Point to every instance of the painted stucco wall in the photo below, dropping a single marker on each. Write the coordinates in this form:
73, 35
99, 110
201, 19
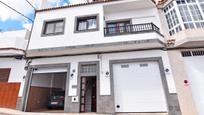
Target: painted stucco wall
69, 38
194, 68
138, 16
14, 39
104, 66
185, 97
17, 70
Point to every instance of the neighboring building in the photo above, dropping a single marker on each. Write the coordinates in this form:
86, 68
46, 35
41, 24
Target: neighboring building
184, 23
12, 63
108, 57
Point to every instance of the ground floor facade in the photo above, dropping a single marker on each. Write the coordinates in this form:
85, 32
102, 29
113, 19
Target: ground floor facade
123, 82
12, 76
138, 82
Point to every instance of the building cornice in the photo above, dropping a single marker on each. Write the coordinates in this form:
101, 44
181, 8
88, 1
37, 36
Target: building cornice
10, 48
76, 5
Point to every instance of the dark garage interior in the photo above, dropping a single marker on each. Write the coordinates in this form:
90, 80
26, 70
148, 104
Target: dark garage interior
47, 92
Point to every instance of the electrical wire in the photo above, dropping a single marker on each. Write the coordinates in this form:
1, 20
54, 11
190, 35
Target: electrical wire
31, 5
16, 11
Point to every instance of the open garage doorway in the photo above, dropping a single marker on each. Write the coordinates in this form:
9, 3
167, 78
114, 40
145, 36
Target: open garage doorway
47, 92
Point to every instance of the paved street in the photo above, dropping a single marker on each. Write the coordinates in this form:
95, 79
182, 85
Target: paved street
5, 111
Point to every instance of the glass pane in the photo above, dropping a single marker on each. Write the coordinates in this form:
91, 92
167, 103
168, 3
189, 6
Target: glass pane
82, 93
82, 25
92, 24
83, 86
59, 27
185, 14
201, 0
82, 100
195, 12
189, 25
111, 28
82, 108
202, 6
180, 1
49, 29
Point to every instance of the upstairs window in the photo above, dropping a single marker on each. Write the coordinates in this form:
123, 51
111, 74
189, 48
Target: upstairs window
184, 14
4, 74
118, 27
54, 27
87, 23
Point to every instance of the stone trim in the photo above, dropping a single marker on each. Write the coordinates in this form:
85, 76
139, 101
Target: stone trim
28, 81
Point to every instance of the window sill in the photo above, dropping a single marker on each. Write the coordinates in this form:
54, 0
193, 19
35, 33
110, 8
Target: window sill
82, 31
54, 34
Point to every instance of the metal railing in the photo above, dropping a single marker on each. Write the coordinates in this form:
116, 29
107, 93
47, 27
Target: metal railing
128, 29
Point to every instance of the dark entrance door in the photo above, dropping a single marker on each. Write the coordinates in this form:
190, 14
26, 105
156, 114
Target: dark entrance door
88, 94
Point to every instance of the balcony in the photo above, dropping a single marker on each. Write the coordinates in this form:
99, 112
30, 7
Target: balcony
131, 29
149, 38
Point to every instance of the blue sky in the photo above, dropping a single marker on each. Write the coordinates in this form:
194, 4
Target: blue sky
10, 20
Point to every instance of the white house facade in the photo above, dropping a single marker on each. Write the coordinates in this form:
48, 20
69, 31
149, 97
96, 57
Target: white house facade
107, 56
12, 61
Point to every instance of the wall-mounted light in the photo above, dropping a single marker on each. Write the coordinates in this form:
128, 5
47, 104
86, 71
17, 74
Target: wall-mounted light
167, 70
71, 75
186, 82
107, 73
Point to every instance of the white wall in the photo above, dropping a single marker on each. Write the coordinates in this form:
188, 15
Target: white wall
17, 70
138, 16
69, 38
104, 66
14, 39
194, 68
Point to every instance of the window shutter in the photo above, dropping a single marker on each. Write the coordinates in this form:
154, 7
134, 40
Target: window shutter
4, 74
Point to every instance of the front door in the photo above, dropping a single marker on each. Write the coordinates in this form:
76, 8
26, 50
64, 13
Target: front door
88, 94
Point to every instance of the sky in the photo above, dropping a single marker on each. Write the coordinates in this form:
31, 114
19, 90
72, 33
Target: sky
10, 20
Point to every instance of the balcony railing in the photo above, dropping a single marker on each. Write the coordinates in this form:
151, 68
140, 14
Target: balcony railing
129, 29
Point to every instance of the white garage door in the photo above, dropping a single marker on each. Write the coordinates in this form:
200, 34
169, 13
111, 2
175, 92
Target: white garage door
138, 88
195, 70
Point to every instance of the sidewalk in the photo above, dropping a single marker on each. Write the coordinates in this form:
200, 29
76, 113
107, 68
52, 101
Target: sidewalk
6, 111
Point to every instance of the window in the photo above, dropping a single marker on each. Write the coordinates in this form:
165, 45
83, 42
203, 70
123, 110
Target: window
54, 27
191, 14
172, 19
4, 74
118, 27
87, 23
202, 6
184, 14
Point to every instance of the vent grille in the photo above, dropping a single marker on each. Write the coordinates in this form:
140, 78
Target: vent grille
143, 65
192, 53
125, 66
198, 53
186, 53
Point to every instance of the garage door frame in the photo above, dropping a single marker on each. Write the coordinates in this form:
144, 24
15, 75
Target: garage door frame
172, 99
28, 81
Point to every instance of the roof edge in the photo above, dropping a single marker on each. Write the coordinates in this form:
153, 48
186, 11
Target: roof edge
76, 5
